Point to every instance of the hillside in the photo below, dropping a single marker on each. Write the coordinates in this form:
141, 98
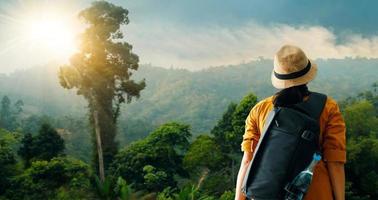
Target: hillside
198, 98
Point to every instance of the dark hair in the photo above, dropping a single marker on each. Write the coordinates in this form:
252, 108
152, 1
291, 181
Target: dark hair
290, 96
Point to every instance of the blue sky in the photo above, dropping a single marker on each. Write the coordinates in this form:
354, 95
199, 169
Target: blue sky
195, 34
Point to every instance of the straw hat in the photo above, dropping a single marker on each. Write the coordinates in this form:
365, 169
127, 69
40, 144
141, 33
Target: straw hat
292, 68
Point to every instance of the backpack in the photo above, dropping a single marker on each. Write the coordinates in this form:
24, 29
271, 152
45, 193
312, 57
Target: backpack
285, 148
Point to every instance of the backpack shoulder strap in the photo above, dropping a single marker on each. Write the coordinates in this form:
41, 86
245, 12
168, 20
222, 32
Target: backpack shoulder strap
268, 121
314, 105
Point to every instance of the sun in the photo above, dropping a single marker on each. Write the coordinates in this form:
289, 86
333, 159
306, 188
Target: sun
34, 32
52, 34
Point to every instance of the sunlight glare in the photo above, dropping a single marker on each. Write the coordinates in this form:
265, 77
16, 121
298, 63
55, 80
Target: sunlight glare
54, 34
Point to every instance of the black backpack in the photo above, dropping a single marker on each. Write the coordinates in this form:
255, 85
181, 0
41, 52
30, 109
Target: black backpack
286, 146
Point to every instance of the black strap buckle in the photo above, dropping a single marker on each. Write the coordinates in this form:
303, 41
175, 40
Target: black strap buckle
308, 135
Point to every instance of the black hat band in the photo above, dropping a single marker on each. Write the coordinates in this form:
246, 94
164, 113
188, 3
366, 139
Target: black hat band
294, 74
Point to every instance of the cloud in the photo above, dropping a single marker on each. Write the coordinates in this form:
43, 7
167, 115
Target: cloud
194, 48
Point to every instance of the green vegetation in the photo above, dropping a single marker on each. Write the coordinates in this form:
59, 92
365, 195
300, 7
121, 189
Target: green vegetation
196, 98
45, 146
169, 164
101, 73
180, 141
361, 117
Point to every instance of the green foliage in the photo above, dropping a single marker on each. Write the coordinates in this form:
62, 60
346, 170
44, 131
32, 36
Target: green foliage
44, 146
166, 194
204, 152
228, 135
124, 190
161, 152
218, 181
9, 114
362, 146
77, 137
154, 179
362, 119
112, 188
240, 114
47, 144
26, 150
44, 179
197, 98
223, 130
104, 188
230, 128
362, 166
7, 163
101, 71
190, 192
5, 113
227, 195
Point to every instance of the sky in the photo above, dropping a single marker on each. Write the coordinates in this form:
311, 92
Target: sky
195, 34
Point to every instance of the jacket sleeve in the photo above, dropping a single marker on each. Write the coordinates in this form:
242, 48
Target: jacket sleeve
334, 141
251, 132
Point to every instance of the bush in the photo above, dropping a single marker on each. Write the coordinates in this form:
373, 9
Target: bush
228, 195
48, 179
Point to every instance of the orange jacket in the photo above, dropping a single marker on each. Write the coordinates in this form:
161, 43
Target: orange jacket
332, 141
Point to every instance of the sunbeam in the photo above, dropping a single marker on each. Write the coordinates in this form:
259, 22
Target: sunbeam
48, 28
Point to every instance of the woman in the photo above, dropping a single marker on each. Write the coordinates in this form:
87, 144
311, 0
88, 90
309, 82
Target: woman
292, 71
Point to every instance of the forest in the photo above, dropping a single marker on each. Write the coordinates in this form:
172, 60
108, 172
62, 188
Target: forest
105, 127
169, 163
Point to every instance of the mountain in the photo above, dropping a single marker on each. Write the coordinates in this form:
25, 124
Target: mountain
195, 97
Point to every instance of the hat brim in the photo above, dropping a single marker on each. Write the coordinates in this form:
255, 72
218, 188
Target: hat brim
309, 76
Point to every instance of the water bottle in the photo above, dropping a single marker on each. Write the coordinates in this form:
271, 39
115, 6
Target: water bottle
296, 189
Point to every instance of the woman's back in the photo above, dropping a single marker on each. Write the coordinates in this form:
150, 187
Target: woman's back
331, 140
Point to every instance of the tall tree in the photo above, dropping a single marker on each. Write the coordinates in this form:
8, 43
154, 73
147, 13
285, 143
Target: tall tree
101, 72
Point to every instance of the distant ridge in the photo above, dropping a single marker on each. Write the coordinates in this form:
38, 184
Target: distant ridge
198, 98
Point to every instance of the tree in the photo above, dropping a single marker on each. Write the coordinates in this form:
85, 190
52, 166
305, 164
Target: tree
9, 113
47, 144
44, 146
18, 106
101, 73
204, 160
162, 150
362, 167
223, 129
48, 179
204, 154
6, 113
229, 130
239, 116
362, 119
26, 150
7, 162
154, 180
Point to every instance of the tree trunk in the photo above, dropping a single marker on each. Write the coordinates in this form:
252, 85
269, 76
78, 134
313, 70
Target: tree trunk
101, 169
203, 176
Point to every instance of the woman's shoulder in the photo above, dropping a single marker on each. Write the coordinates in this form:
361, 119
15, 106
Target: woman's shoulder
331, 109
264, 104
331, 104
